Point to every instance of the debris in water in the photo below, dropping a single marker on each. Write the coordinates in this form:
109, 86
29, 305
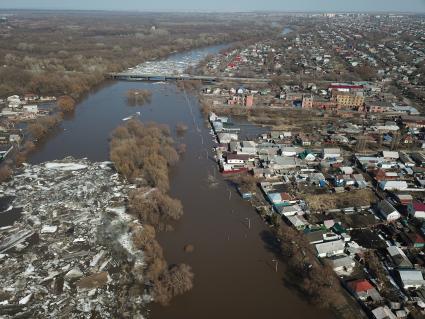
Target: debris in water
70, 255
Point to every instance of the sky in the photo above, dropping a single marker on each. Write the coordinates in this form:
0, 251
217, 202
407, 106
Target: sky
221, 5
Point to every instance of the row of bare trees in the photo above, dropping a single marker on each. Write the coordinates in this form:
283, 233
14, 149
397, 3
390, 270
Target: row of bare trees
316, 280
143, 154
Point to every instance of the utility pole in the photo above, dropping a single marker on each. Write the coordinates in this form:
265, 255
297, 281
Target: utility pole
276, 263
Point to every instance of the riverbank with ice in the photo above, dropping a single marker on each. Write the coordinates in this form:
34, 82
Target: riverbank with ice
70, 255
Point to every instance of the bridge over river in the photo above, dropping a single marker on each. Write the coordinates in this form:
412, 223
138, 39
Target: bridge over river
182, 77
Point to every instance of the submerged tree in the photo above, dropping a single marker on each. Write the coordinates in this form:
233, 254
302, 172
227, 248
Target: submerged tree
43, 125
181, 129
155, 208
143, 152
138, 97
176, 280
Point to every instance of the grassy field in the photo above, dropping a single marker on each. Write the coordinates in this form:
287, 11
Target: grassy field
348, 199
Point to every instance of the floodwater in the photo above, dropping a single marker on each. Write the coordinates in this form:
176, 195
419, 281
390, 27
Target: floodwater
235, 271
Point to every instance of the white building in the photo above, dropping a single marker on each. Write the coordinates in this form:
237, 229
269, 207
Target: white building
393, 185
411, 279
330, 248
291, 210
331, 153
289, 151
390, 155
31, 108
388, 212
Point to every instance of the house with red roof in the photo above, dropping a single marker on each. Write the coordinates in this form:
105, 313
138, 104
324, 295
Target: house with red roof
417, 210
363, 290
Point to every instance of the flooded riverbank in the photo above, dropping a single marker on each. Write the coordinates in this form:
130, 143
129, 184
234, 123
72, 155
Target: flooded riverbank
234, 265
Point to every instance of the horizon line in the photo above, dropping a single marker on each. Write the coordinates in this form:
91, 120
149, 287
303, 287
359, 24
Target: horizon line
217, 11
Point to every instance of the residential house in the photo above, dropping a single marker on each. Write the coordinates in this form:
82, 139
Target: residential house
227, 137
346, 170
30, 97
289, 151
290, 210
238, 158
317, 179
404, 199
30, 109
362, 289
330, 248
399, 258
331, 153
283, 162
360, 181
299, 222
315, 237
411, 279
417, 210
387, 211
390, 155
419, 158
393, 185
406, 159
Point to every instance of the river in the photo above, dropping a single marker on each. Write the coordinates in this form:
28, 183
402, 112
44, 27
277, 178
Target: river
234, 270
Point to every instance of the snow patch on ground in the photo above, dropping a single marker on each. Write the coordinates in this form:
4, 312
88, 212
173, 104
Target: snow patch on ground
65, 166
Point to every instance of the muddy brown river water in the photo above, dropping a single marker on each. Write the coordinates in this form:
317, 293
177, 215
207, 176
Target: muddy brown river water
234, 265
